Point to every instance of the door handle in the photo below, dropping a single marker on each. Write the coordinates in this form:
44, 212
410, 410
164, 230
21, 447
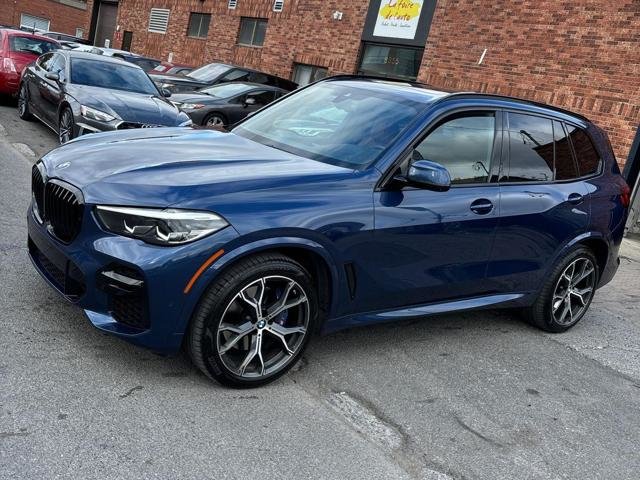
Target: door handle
575, 199
482, 206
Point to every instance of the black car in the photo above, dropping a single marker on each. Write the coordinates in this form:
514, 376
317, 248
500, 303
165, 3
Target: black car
145, 63
227, 103
76, 93
215, 73
65, 38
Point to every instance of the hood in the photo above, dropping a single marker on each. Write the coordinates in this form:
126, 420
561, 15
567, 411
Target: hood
160, 78
169, 166
129, 106
195, 97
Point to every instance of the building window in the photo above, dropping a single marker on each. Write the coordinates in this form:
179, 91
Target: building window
252, 31
199, 25
158, 20
305, 74
79, 32
32, 22
390, 61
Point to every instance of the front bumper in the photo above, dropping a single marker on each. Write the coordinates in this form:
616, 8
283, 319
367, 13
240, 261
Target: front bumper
126, 287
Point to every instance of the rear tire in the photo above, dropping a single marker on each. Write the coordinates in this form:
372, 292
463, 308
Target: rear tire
241, 334
23, 103
567, 293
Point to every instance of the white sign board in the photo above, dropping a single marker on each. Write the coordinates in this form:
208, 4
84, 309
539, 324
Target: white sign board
398, 18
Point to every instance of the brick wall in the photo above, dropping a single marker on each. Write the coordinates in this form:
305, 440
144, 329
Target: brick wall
65, 15
304, 32
577, 54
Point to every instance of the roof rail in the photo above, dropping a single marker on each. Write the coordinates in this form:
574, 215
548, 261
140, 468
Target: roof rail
519, 100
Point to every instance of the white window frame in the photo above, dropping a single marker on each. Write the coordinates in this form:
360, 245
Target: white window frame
156, 17
24, 19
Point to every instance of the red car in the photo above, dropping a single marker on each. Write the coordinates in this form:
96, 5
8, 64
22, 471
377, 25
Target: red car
17, 50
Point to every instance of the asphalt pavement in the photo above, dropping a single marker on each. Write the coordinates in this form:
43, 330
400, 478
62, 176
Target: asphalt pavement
464, 396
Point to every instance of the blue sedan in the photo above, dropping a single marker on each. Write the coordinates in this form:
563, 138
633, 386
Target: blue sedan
352, 201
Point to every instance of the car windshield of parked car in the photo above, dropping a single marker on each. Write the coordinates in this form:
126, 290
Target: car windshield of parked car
95, 73
208, 72
341, 124
226, 90
36, 46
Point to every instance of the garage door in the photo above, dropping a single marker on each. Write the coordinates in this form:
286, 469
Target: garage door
33, 22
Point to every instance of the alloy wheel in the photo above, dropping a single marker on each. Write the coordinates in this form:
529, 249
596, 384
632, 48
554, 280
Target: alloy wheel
215, 121
573, 291
66, 127
263, 327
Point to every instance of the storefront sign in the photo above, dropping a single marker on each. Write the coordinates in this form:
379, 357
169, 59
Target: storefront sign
398, 19
399, 22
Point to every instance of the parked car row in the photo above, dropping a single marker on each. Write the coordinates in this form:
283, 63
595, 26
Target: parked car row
77, 89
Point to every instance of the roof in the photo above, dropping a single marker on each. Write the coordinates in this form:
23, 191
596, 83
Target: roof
437, 95
96, 57
23, 33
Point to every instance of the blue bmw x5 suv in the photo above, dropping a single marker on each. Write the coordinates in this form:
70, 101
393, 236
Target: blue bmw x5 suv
349, 202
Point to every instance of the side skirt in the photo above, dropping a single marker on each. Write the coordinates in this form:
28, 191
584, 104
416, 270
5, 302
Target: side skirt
489, 301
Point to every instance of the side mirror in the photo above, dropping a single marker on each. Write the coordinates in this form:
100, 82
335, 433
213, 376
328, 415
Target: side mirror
52, 76
166, 93
429, 175
249, 101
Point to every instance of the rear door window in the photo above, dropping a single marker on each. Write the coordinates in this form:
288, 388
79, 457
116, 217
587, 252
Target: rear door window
531, 148
565, 166
586, 154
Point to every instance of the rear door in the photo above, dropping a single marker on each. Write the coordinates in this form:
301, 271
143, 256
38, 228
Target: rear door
431, 246
34, 78
544, 204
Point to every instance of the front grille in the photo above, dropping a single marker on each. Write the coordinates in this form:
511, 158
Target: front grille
63, 209
37, 187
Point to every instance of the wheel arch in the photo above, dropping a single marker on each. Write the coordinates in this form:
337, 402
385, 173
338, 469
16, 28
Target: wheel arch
594, 241
314, 257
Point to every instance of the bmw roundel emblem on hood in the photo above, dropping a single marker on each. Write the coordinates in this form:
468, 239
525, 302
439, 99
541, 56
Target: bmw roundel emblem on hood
62, 165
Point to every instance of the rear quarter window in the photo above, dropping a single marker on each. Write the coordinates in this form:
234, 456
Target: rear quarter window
586, 154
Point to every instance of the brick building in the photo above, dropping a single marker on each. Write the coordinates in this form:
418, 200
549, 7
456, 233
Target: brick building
65, 16
577, 54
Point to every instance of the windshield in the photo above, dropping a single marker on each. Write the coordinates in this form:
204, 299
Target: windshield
226, 90
209, 72
31, 45
95, 73
338, 123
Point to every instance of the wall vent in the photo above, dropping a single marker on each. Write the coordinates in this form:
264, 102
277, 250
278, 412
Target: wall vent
158, 20
232, 4
278, 5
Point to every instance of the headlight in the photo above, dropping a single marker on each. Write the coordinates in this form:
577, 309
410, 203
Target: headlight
94, 114
191, 106
186, 123
160, 227
168, 86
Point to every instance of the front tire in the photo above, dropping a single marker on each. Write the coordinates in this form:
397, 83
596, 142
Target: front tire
66, 126
253, 324
23, 103
215, 120
567, 294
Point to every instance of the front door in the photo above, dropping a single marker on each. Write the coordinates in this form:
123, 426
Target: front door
432, 246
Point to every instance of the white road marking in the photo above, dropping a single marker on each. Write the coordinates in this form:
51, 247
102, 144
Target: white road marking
24, 149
